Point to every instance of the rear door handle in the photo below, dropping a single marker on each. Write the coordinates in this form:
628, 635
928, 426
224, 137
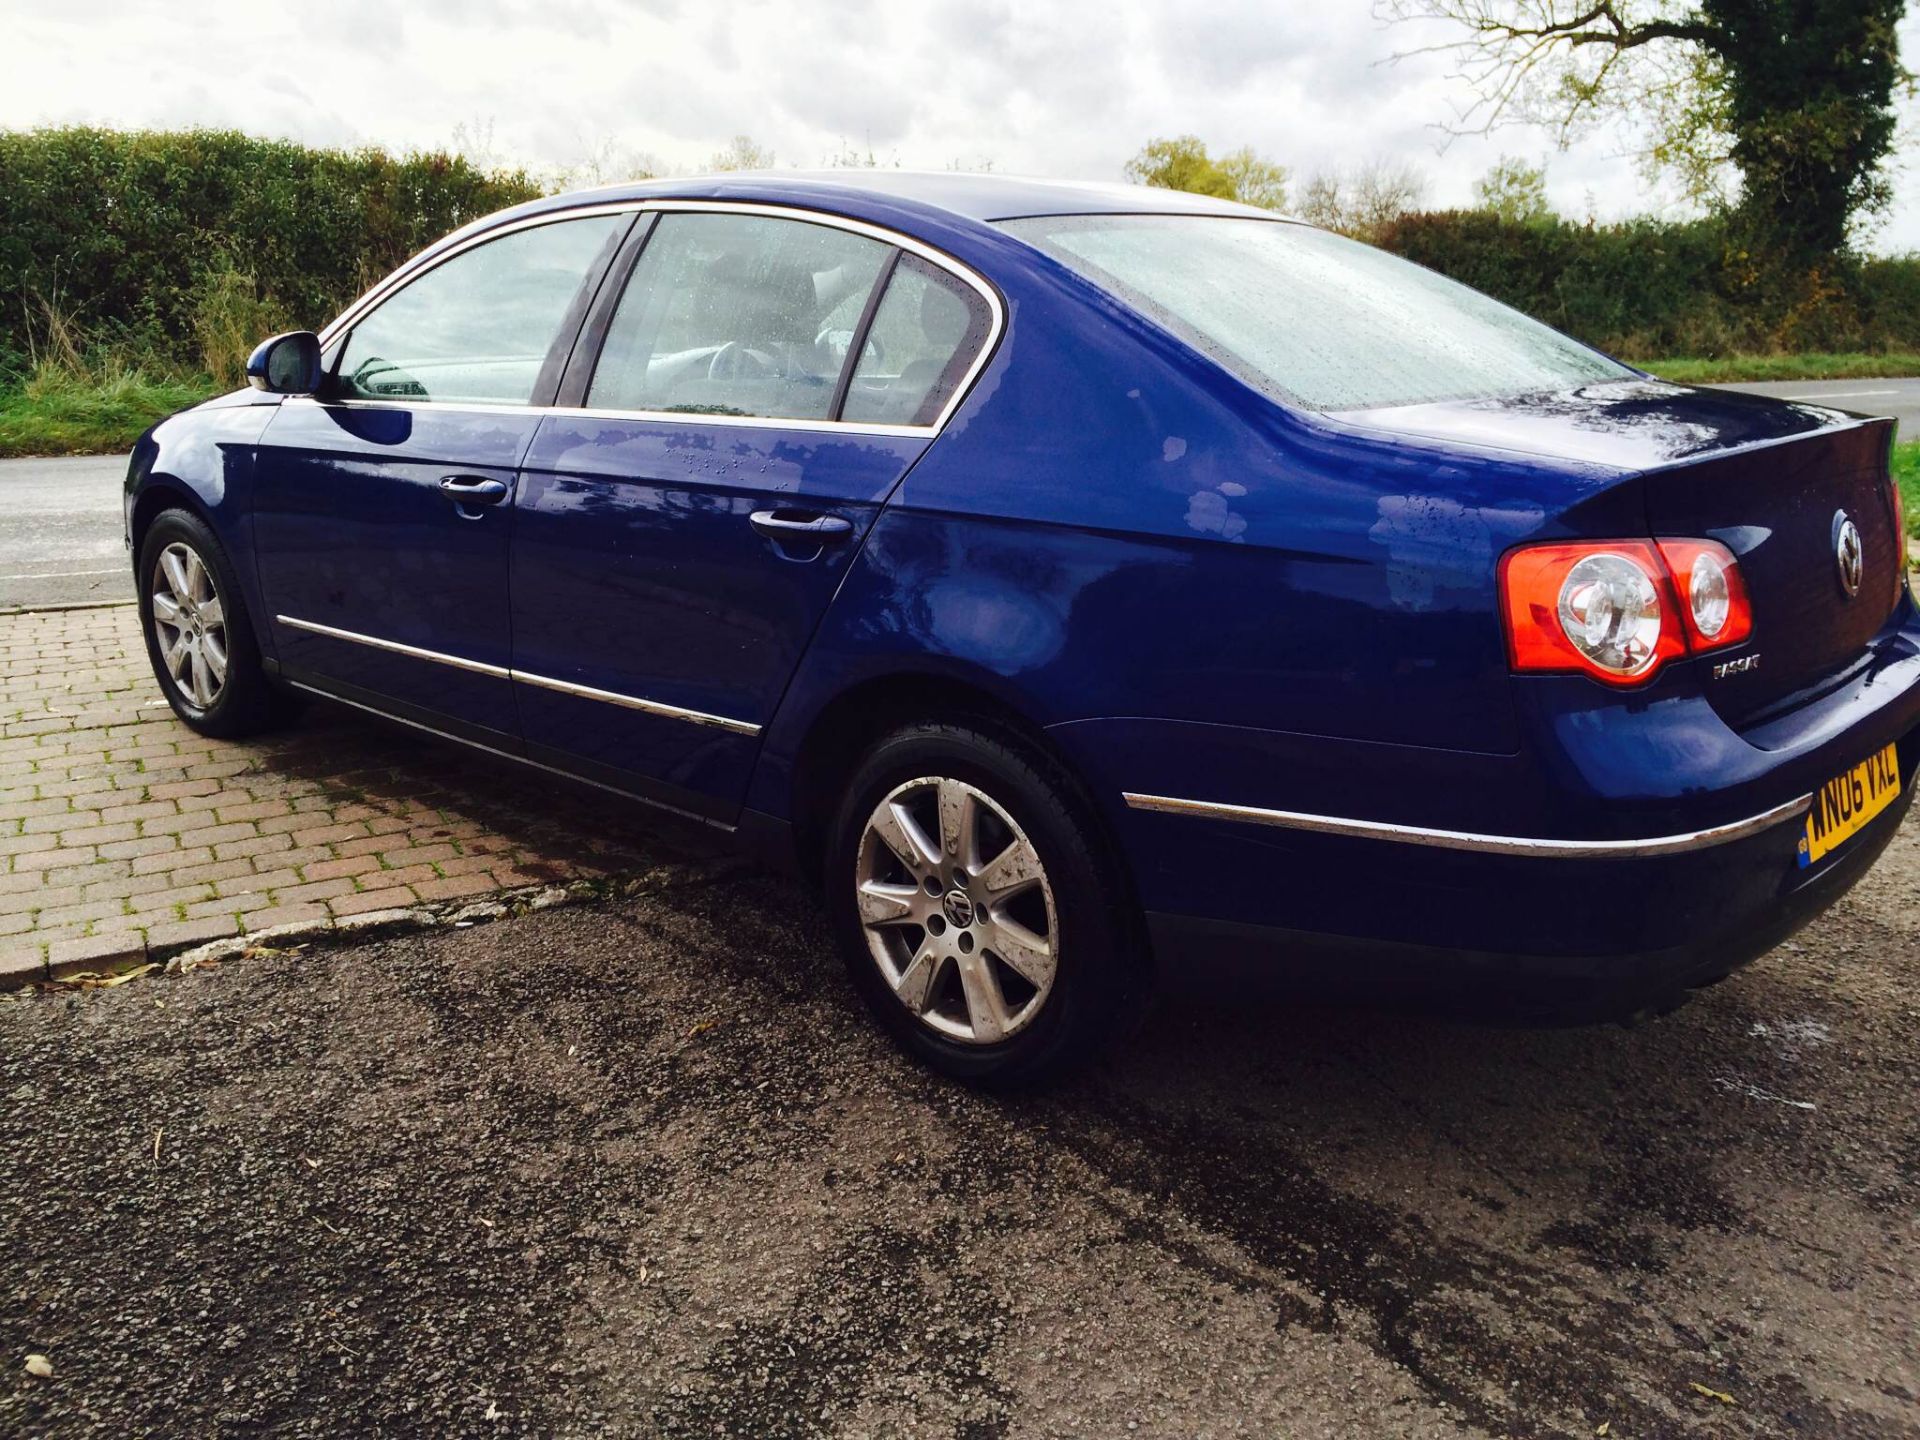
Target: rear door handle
474, 490
801, 525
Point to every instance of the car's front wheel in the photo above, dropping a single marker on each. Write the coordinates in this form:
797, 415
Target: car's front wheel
979, 912
199, 635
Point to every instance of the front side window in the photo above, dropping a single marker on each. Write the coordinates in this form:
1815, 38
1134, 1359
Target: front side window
730, 314
477, 327
926, 332
1314, 319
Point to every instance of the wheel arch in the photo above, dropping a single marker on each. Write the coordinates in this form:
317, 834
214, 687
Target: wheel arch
158, 493
842, 729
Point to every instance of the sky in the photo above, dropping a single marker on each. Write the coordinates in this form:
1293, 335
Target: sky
1030, 87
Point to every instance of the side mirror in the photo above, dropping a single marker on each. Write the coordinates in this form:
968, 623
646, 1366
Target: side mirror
287, 364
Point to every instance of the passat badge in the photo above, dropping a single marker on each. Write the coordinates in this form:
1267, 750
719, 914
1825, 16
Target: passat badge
1736, 667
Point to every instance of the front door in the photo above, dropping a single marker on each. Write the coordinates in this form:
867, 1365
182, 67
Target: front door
680, 533
384, 506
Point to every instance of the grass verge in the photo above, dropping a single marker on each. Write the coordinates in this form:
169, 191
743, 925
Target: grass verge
1731, 368
59, 410
1906, 474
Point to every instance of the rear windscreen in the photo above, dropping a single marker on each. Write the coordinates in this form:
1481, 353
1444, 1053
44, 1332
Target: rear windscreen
1312, 318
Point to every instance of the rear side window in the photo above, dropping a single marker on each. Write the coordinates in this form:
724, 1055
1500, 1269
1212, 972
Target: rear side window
1314, 319
927, 330
735, 315
477, 327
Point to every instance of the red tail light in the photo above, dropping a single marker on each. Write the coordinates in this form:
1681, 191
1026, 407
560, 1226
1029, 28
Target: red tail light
1619, 610
1900, 559
1712, 595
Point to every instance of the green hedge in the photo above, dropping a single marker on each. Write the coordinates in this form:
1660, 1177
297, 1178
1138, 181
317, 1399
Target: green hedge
1650, 288
133, 235
175, 247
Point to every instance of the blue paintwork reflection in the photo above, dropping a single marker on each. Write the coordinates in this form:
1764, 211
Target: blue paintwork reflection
204, 459
352, 531
636, 570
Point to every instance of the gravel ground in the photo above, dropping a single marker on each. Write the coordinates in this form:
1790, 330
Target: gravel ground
640, 1168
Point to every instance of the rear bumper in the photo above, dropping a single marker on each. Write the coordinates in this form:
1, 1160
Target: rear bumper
1630, 849
1712, 910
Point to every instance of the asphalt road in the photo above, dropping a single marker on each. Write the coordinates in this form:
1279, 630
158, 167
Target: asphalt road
60, 527
642, 1169
1898, 398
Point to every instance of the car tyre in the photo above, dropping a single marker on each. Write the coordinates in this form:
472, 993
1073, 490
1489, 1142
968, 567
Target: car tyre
199, 634
979, 908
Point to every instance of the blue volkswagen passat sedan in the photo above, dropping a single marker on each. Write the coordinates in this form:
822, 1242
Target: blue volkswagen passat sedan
1088, 586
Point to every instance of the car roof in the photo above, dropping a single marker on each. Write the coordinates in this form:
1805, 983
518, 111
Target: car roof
968, 196
948, 209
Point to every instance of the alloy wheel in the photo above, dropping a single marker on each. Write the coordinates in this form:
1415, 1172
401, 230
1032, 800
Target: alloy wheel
957, 910
189, 625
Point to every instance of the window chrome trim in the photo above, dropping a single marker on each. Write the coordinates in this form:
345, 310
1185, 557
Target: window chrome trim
485, 749
501, 672
1466, 840
668, 417
413, 270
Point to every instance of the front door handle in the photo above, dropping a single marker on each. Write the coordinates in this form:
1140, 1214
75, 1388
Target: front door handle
466, 490
801, 525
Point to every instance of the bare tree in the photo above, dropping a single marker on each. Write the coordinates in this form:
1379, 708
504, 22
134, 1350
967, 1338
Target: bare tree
605, 161
1363, 201
742, 154
851, 157
473, 139
1794, 95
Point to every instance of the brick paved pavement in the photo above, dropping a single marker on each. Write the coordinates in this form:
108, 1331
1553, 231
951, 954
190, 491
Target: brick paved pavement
120, 829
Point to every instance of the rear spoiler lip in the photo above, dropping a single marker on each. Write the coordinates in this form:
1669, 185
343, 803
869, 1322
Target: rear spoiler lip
1846, 421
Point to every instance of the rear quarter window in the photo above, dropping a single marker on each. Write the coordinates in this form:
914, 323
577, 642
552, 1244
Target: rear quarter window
929, 327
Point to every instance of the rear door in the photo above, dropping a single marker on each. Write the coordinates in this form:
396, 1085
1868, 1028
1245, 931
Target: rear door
680, 531
383, 506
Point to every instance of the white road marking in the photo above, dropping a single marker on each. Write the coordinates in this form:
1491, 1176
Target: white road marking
63, 574
1840, 395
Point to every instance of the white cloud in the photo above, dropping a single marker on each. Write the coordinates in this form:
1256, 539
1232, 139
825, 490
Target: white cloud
1055, 87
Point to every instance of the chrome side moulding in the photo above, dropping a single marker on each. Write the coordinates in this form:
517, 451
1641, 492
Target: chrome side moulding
501, 672
1466, 840
634, 702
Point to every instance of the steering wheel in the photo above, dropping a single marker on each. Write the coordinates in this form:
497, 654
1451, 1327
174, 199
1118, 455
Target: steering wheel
837, 342
377, 376
734, 361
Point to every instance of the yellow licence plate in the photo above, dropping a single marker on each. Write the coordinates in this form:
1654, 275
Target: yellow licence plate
1843, 806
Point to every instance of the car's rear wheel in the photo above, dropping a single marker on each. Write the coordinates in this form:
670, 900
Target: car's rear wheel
199, 635
979, 912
